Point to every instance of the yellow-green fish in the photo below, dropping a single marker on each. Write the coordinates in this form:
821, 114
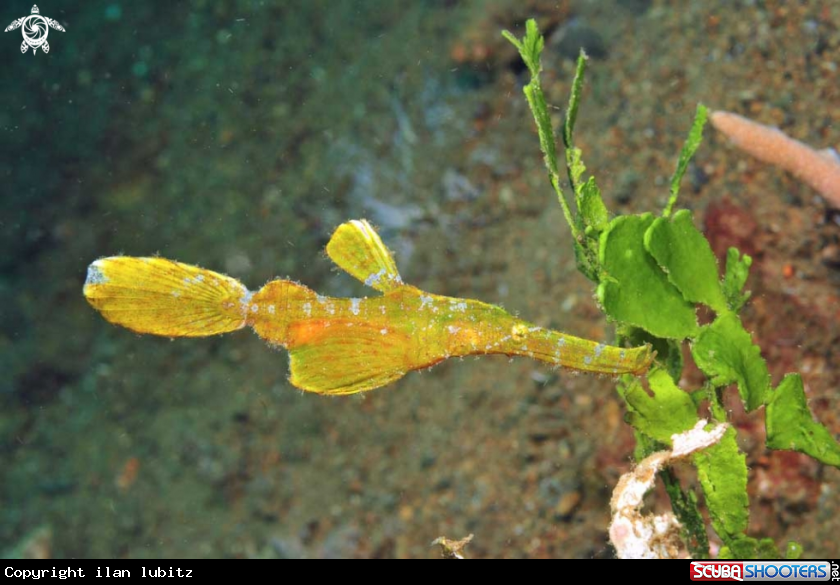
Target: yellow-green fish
338, 345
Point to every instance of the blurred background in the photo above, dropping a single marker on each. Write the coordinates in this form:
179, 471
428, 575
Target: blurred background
237, 134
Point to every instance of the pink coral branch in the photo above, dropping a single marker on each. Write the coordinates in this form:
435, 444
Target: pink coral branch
819, 169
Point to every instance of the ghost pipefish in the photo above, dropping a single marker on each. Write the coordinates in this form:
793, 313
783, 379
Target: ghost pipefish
338, 345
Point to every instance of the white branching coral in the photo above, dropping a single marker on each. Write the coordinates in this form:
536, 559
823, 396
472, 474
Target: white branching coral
635, 536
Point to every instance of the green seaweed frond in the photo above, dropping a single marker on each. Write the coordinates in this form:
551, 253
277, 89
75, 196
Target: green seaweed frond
652, 274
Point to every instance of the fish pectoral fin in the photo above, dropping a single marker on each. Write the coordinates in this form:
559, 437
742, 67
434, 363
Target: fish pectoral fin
358, 250
344, 357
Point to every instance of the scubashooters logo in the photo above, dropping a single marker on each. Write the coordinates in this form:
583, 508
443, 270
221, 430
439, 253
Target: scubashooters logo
717, 571
761, 571
35, 29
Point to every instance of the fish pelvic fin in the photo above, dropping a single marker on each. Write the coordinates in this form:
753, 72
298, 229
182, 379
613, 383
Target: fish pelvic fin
164, 297
358, 250
345, 357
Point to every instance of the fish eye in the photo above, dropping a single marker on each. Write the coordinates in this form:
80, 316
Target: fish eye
518, 332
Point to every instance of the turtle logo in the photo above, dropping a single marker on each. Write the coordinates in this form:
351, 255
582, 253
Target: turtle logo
35, 29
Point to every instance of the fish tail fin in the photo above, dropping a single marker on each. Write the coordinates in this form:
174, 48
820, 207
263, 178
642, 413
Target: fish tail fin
164, 297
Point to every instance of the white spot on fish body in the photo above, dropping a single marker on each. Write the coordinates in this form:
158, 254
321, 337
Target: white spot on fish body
254, 308
95, 275
307, 309
374, 278
425, 300
354, 306
383, 331
271, 309
459, 306
321, 299
453, 330
599, 349
587, 359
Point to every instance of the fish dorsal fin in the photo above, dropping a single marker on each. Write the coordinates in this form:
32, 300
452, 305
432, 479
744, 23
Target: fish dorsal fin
357, 249
345, 357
